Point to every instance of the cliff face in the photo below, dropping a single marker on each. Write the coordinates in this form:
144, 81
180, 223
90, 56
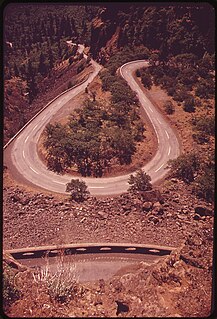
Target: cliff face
104, 35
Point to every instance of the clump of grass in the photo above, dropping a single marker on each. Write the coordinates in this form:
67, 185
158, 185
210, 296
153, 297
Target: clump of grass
61, 279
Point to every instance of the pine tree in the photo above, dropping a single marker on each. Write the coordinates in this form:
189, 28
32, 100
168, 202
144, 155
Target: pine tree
42, 68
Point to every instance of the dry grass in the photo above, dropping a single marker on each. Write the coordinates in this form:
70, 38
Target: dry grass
60, 279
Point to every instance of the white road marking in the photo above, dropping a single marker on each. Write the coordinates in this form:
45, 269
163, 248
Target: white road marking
169, 150
159, 167
24, 155
150, 109
167, 134
96, 187
33, 170
157, 138
26, 139
35, 127
159, 122
58, 182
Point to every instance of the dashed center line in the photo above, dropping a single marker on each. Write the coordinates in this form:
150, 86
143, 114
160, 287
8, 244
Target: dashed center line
33, 170
169, 150
35, 127
167, 134
24, 155
59, 182
150, 109
159, 167
26, 139
96, 187
159, 122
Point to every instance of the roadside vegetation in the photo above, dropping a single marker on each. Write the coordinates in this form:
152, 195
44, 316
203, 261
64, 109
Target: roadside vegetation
10, 292
139, 182
61, 283
95, 136
35, 40
78, 190
196, 170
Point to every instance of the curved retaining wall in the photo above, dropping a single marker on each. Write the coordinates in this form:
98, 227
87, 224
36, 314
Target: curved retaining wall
89, 248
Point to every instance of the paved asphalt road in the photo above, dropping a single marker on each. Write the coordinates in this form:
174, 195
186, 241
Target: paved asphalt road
22, 155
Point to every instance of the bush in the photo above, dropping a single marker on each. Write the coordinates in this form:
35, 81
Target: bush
146, 80
200, 137
78, 190
10, 292
184, 167
189, 104
139, 182
205, 125
204, 186
169, 107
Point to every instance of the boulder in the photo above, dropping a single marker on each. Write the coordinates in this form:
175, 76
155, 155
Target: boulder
152, 196
147, 206
203, 211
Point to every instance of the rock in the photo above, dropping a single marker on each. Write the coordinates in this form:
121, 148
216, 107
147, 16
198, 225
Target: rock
83, 219
196, 217
158, 208
203, 211
184, 211
152, 196
147, 206
153, 219
103, 215
122, 307
174, 180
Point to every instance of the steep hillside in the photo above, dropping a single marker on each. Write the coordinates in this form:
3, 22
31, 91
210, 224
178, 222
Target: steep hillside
170, 29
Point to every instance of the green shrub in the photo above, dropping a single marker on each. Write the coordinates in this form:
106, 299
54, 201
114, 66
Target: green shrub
78, 190
189, 104
169, 107
10, 292
204, 185
139, 182
185, 166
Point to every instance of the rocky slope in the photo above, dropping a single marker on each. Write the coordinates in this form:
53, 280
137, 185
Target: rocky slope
179, 286
165, 220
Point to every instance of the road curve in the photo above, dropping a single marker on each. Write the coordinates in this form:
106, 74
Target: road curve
23, 151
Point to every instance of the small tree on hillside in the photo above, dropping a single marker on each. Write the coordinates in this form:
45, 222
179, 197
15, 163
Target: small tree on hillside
139, 182
169, 107
78, 190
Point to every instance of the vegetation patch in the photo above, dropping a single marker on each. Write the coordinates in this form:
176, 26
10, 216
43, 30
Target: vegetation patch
94, 138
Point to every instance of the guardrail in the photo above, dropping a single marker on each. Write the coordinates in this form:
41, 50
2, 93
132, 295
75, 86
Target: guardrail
89, 248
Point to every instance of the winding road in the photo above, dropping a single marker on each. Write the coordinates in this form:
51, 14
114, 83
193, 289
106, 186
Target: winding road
22, 154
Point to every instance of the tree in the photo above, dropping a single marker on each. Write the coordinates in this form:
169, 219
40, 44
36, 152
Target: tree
51, 59
78, 190
42, 68
16, 71
189, 104
139, 182
169, 107
146, 81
